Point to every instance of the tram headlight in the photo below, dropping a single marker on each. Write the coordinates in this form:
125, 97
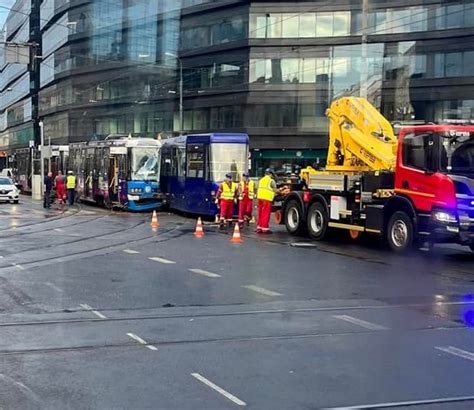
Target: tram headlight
133, 197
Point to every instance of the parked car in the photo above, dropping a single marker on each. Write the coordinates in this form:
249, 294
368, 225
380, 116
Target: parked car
8, 191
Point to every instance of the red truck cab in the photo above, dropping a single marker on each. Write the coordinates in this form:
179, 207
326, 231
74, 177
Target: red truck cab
435, 173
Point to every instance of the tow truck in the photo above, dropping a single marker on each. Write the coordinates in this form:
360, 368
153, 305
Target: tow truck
414, 190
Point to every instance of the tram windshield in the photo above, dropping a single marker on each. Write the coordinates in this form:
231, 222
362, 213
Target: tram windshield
145, 163
228, 158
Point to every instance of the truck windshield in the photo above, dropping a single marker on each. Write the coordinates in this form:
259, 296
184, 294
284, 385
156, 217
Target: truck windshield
457, 154
228, 158
145, 164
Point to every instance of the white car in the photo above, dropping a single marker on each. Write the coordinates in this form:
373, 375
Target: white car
8, 191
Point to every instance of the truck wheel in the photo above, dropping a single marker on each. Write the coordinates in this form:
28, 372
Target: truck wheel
293, 218
400, 232
317, 221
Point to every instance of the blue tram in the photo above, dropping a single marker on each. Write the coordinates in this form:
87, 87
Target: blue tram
194, 165
119, 171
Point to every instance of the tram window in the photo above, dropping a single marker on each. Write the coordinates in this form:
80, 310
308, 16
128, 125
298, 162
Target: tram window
196, 154
179, 162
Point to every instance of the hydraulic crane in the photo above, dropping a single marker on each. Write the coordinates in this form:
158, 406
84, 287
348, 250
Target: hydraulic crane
414, 190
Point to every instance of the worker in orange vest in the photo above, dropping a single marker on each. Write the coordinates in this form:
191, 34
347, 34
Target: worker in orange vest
227, 196
246, 196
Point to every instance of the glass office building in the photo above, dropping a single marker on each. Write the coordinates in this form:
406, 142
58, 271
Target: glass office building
267, 68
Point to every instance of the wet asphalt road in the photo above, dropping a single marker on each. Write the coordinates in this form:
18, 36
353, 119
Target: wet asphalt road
98, 311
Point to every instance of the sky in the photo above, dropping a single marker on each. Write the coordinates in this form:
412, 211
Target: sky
3, 11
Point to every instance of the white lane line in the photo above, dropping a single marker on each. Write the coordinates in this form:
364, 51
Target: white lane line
405, 403
95, 312
262, 291
131, 251
1, 257
359, 322
162, 260
457, 352
218, 389
137, 338
141, 341
18, 266
205, 273
58, 230
53, 286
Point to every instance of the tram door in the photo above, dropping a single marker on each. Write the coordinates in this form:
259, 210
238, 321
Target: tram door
113, 179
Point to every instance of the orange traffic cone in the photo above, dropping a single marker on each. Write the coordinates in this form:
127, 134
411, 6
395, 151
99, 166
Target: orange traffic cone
236, 235
154, 220
199, 232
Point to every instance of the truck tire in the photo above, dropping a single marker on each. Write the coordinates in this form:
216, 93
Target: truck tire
400, 232
293, 218
317, 221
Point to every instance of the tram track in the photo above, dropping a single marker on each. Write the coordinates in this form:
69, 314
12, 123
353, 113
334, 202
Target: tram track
234, 339
51, 260
221, 314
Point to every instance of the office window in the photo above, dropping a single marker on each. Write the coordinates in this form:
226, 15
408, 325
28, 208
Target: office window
454, 16
259, 28
439, 62
274, 26
341, 23
453, 64
308, 70
468, 63
290, 70
290, 25
307, 25
324, 24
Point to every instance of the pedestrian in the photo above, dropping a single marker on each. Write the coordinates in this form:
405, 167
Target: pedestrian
60, 188
48, 187
71, 187
246, 196
265, 194
227, 196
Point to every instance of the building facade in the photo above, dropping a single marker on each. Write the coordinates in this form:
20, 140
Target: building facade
267, 68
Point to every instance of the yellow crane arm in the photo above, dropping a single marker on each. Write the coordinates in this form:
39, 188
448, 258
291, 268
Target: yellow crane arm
360, 137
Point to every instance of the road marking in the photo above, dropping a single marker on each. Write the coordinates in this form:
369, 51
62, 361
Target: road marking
18, 266
362, 323
162, 260
58, 230
405, 403
262, 291
218, 389
53, 286
141, 341
131, 251
205, 273
95, 312
457, 352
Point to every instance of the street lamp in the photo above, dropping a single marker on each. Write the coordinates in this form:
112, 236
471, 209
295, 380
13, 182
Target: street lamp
41, 125
180, 89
